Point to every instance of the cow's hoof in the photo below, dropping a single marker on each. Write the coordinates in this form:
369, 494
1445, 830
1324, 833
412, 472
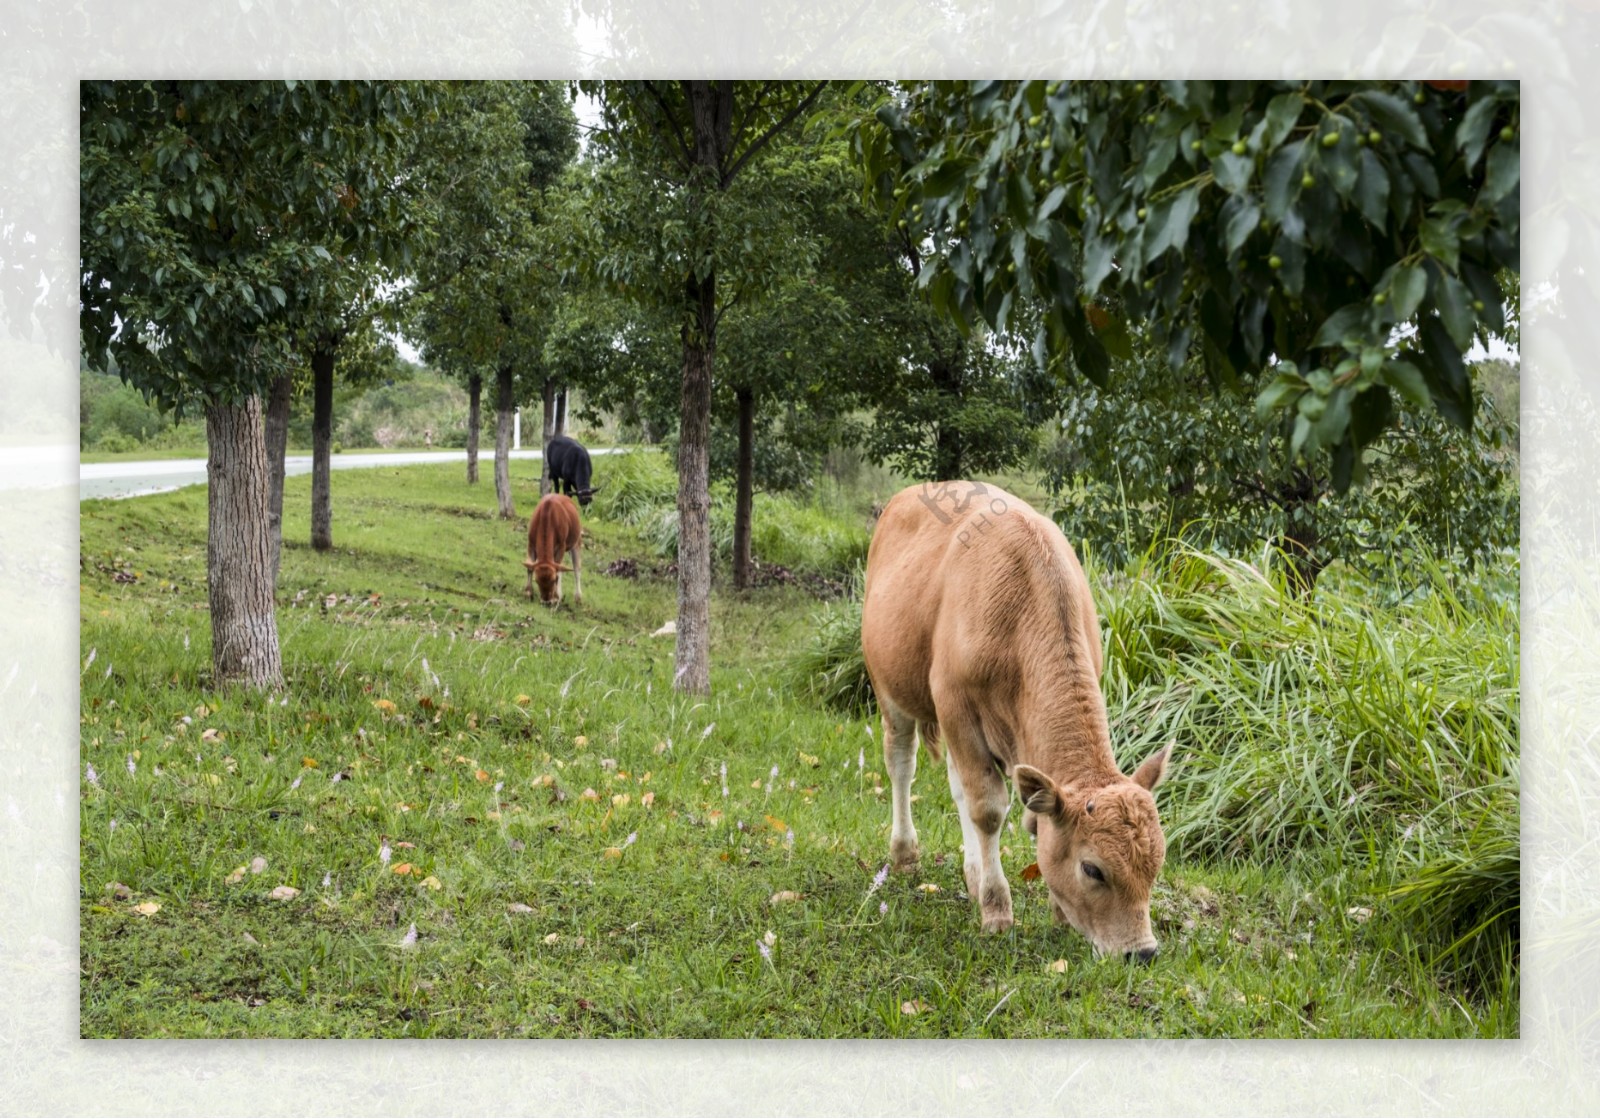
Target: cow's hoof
998, 923
904, 856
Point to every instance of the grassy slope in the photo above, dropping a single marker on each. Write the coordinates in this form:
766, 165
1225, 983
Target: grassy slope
485, 770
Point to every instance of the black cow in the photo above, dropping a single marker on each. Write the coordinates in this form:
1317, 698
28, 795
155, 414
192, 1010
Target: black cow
569, 464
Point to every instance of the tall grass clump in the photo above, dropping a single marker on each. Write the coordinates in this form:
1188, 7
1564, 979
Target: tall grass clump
641, 490
829, 668
1385, 730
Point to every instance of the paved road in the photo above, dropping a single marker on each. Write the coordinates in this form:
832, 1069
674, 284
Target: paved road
131, 479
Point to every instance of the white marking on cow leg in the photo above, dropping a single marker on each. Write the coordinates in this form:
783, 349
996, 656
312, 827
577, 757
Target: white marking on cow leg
900, 757
971, 840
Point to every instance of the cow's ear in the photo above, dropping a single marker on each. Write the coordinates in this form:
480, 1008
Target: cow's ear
1038, 793
1154, 768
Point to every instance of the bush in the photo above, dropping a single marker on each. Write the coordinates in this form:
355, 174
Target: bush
829, 668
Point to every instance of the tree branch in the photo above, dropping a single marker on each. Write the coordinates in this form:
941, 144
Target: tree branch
766, 137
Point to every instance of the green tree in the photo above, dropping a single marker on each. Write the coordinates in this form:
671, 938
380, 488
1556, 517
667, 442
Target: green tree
204, 207
1161, 454
1281, 226
688, 142
485, 285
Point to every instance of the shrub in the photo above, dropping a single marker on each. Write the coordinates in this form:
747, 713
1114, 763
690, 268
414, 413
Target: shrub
829, 668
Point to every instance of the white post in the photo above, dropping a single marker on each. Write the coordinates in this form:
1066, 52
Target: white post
516, 430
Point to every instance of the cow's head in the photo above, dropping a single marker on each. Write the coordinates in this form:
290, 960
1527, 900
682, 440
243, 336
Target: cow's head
586, 495
1099, 851
547, 576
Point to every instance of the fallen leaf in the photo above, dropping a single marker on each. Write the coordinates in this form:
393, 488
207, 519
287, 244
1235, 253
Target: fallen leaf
481, 775
647, 799
257, 865
384, 705
308, 762
1030, 872
1059, 966
913, 1006
432, 883
403, 843
621, 799
928, 888
613, 852
770, 938
401, 868
810, 759
553, 938
523, 700
775, 824
248, 939
237, 874
518, 907
588, 794
1358, 913
210, 734
283, 893
147, 908
667, 630
783, 897
581, 741
119, 891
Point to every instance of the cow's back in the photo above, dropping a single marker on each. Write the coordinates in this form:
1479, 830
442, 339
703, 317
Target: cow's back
554, 528
970, 585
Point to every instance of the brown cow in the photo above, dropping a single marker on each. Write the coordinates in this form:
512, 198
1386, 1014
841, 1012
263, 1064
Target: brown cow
553, 529
978, 624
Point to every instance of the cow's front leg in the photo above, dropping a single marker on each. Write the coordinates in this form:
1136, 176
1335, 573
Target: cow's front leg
982, 800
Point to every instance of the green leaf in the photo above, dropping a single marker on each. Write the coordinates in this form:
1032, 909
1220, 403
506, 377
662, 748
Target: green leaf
1455, 309
1282, 111
1406, 379
1394, 116
1406, 289
1172, 223
1372, 190
1446, 374
1501, 173
1346, 322
1473, 131
1157, 159
1232, 172
1439, 240
1282, 179
1239, 224
1370, 413
1284, 390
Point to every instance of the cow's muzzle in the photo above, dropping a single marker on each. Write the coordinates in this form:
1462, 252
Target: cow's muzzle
1141, 955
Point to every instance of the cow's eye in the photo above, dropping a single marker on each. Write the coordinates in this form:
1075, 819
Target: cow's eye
1094, 872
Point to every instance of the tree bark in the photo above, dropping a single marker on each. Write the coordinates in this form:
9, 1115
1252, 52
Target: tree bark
244, 629
1301, 542
744, 489
321, 444
277, 439
693, 673
561, 411
546, 433
474, 424
505, 407
948, 449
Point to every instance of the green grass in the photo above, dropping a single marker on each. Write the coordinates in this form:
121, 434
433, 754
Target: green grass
503, 716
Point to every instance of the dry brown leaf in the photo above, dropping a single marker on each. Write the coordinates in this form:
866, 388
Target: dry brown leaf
517, 907
1358, 913
523, 700
402, 868
147, 908
553, 938
913, 1006
588, 794
1059, 966
237, 874
258, 865
784, 896
928, 888
283, 893
647, 799
613, 852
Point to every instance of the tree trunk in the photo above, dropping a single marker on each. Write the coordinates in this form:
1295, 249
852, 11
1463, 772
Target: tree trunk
561, 412
474, 424
948, 451
548, 395
244, 629
277, 437
505, 406
693, 672
321, 445
744, 489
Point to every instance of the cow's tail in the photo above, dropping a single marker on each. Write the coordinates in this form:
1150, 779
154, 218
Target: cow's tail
929, 733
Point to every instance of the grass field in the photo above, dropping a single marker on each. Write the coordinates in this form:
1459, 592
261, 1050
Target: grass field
467, 816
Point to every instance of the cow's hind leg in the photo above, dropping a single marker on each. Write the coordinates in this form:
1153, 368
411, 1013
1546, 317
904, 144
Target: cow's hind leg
982, 800
900, 756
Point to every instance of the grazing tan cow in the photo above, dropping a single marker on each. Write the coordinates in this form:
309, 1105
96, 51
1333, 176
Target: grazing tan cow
553, 529
978, 626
